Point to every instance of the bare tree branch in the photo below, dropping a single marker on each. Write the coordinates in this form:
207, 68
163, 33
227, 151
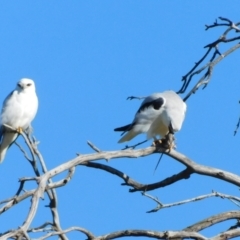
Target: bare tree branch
78, 229
160, 205
208, 222
43, 177
152, 234
83, 159
204, 80
138, 98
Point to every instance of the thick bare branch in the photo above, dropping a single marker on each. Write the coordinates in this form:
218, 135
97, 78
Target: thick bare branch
128, 181
152, 234
32, 145
71, 229
208, 222
227, 234
62, 182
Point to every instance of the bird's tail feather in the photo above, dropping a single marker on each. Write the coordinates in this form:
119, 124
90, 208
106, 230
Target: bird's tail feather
7, 140
128, 136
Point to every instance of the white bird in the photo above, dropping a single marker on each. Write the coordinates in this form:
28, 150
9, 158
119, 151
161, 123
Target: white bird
159, 114
18, 111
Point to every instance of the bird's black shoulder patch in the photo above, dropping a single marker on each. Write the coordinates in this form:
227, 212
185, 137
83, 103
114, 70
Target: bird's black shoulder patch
156, 104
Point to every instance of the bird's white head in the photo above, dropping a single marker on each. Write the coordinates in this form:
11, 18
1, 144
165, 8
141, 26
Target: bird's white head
26, 84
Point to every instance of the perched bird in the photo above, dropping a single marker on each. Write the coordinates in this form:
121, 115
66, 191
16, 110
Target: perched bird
18, 110
159, 114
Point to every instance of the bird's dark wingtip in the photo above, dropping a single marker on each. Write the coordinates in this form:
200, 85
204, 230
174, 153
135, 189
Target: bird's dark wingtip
123, 129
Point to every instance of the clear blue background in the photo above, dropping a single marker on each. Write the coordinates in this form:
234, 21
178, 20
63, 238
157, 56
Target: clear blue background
86, 58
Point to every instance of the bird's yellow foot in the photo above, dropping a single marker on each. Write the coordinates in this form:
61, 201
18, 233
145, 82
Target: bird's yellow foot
19, 130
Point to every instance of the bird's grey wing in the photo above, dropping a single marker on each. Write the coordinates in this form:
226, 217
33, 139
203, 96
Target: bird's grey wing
5, 102
175, 109
148, 102
143, 118
5, 113
7, 139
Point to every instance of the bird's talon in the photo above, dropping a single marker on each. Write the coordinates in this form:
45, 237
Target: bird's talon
157, 142
167, 142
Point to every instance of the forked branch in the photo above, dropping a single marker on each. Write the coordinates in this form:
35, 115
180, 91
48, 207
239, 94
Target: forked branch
216, 57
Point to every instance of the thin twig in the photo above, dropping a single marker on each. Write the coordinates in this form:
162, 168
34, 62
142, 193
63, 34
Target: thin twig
160, 205
93, 146
133, 97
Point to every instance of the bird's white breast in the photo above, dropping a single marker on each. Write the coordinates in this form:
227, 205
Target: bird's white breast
19, 109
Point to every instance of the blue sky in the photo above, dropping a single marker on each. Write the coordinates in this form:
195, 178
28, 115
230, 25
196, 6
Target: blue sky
86, 58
